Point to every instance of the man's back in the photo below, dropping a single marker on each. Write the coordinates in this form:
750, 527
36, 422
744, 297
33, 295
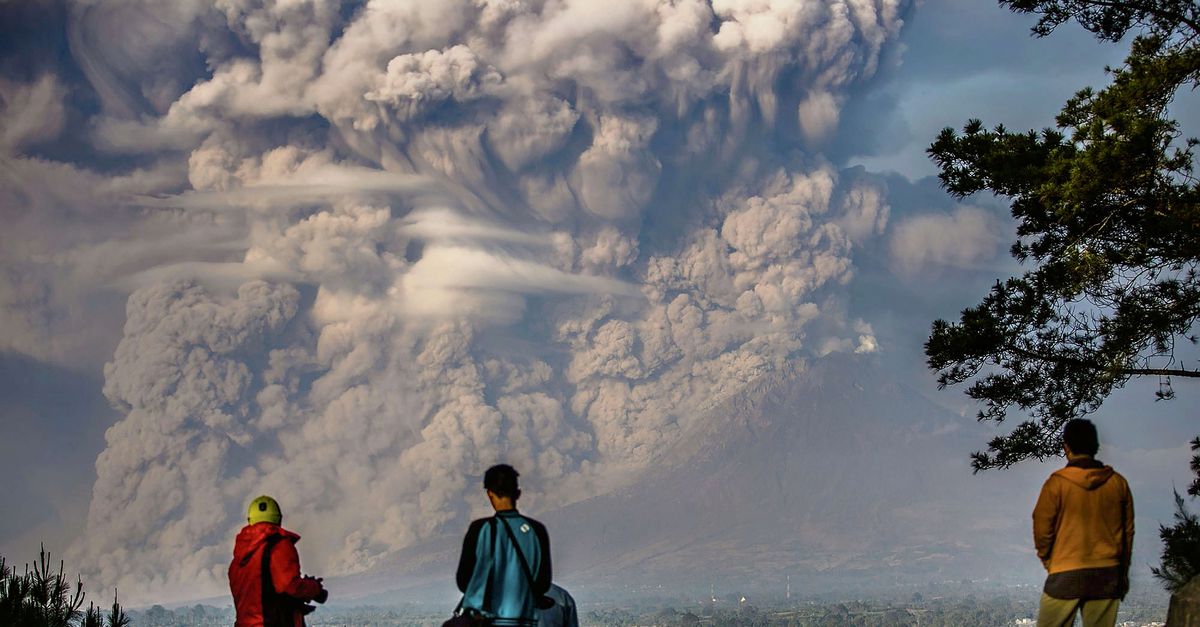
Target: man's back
265, 580
490, 571
1084, 518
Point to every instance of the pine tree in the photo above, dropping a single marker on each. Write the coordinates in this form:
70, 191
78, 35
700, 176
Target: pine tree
1107, 213
43, 597
1108, 218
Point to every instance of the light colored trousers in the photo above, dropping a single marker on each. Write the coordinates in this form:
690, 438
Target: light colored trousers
1061, 612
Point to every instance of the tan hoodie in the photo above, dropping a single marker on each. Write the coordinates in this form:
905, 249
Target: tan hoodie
1084, 519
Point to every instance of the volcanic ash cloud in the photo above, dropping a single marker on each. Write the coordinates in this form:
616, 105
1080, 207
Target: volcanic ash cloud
548, 233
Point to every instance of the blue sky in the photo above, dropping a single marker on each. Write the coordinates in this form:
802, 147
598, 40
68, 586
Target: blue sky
549, 277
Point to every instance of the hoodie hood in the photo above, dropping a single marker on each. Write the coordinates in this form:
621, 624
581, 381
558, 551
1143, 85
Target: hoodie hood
251, 537
1088, 475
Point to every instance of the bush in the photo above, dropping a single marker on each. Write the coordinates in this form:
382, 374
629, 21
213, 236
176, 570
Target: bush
42, 597
1181, 548
1181, 541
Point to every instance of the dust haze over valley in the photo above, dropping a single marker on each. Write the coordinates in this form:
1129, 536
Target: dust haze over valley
794, 477
350, 254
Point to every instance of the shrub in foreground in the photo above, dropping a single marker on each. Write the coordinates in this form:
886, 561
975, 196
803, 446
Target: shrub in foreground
43, 597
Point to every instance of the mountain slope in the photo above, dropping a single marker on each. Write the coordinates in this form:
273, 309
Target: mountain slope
834, 476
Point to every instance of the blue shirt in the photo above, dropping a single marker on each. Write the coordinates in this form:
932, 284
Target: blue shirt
490, 573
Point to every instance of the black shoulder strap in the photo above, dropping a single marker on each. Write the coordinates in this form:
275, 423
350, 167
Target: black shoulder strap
268, 583
521, 556
271, 610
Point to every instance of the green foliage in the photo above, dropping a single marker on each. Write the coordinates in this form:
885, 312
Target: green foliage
1181, 548
1106, 205
93, 617
1181, 541
1110, 20
116, 615
43, 597
37, 598
1194, 488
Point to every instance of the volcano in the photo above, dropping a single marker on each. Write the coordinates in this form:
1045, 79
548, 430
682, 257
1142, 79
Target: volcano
834, 476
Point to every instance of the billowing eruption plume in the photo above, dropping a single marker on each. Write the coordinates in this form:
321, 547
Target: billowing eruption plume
549, 232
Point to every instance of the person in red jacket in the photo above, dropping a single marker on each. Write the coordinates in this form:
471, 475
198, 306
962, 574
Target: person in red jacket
264, 576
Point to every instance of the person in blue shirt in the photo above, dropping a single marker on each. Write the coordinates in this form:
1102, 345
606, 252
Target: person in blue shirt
504, 568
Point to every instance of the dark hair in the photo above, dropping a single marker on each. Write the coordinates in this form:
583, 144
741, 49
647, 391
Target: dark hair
1080, 435
502, 479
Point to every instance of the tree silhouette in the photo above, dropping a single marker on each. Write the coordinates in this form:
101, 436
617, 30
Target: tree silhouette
43, 597
1106, 205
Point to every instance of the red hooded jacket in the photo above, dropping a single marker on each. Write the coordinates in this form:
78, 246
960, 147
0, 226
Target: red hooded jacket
271, 594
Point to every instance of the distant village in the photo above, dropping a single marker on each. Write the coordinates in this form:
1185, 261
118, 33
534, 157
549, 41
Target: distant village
954, 607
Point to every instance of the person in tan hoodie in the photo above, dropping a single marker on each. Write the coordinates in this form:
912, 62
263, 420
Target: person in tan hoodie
1083, 532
